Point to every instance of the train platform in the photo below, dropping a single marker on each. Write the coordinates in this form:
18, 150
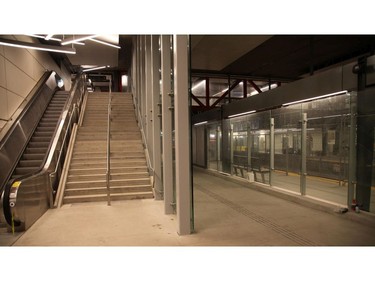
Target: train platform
226, 214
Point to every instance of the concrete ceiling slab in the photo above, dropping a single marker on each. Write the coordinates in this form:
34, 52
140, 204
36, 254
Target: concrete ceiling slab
215, 52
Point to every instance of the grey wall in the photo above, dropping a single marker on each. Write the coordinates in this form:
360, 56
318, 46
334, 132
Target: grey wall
20, 70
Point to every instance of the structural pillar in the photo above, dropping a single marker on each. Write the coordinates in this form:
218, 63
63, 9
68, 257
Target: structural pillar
167, 115
303, 154
182, 135
148, 109
156, 103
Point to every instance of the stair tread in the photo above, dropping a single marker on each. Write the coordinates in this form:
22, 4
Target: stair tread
105, 195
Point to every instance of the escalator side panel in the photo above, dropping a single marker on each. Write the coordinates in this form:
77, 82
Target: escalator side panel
10, 150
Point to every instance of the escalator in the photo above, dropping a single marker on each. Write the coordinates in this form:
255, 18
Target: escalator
36, 150
32, 153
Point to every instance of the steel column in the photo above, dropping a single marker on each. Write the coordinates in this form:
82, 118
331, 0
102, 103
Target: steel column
207, 92
182, 135
155, 124
303, 154
352, 149
167, 117
272, 147
231, 149
148, 101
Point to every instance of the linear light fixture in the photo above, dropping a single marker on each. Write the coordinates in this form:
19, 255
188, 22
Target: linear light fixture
40, 47
95, 68
315, 98
44, 37
200, 123
78, 39
243, 113
105, 43
48, 37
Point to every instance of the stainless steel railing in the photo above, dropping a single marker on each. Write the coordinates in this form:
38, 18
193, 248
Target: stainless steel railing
108, 172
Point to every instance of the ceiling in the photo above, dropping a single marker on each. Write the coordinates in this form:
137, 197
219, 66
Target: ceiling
281, 58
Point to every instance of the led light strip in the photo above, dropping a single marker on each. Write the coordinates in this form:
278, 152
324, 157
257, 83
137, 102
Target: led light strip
95, 68
78, 39
40, 47
243, 113
105, 43
315, 98
200, 123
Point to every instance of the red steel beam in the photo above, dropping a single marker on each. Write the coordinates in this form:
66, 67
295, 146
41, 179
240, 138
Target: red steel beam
226, 93
207, 92
244, 85
197, 100
255, 86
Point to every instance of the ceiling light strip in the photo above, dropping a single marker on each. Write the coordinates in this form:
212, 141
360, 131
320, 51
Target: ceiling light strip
200, 123
105, 43
78, 39
95, 68
240, 114
40, 47
315, 98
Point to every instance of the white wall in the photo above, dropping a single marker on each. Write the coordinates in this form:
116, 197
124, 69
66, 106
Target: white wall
20, 70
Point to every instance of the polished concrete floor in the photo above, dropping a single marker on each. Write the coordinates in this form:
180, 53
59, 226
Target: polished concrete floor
226, 214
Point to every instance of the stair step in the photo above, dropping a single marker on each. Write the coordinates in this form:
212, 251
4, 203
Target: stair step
102, 176
126, 162
102, 197
88, 171
103, 190
98, 183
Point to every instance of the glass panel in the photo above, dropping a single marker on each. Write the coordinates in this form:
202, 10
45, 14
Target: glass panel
239, 147
212, 147
372, 198
259, 142
287, 158
327, 147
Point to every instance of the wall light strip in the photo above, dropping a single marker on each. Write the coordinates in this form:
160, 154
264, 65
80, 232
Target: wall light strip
105, 43
95, 68
315, 98
243, 113
40, 47
200, 123
78, 39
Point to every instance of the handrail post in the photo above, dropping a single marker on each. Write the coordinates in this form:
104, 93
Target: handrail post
108, 173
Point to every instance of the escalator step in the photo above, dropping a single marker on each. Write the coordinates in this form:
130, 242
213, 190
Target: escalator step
30, 163
44, 134
41, 139
32, 156
38, 144
36, 150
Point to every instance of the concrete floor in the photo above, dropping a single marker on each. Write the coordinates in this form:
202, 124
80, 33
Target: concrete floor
226, 214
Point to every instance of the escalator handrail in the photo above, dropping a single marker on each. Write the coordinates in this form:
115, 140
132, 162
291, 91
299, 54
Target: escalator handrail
35, 92
53, 143
43, 169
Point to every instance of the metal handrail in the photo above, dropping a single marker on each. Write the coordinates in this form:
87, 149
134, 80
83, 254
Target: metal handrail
108, 172
46, 176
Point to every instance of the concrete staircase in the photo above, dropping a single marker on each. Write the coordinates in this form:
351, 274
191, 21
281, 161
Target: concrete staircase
129, 178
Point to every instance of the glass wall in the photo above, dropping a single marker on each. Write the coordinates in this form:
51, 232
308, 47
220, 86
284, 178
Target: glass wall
372, 198
287, 146
213, 157
327, 146
316, 165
